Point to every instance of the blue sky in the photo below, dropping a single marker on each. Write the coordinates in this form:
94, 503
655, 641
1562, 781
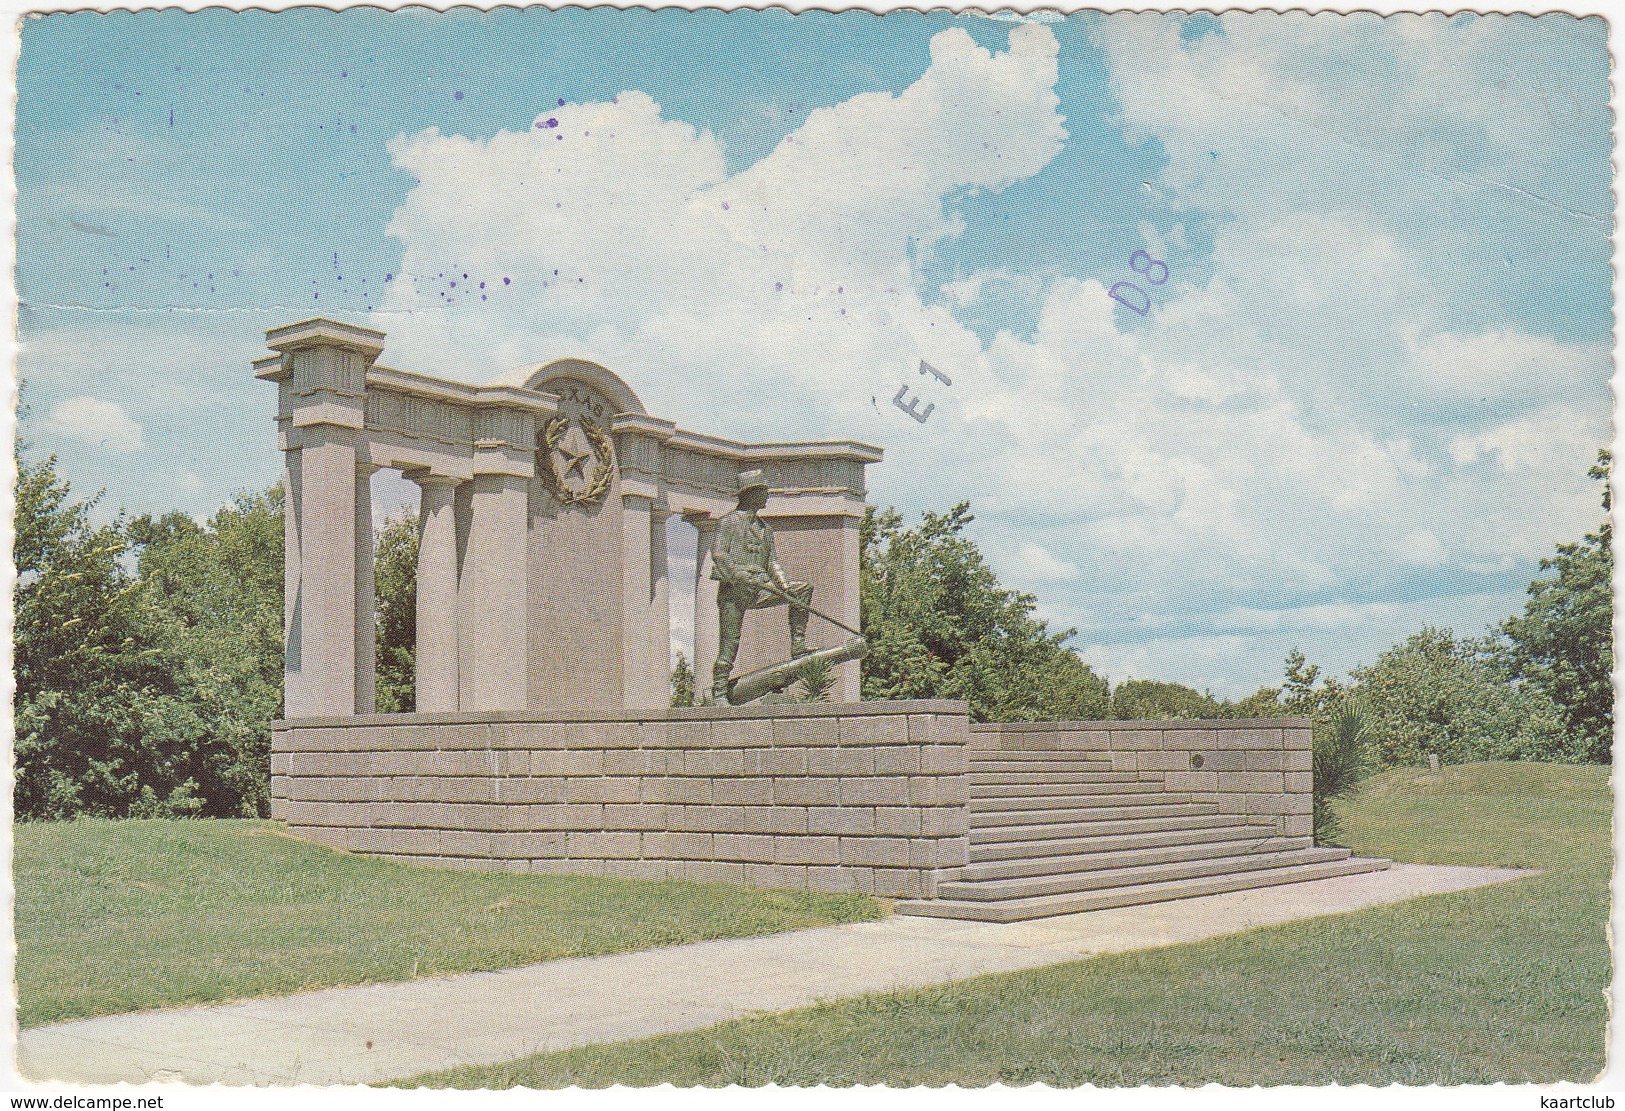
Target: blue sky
1364, 400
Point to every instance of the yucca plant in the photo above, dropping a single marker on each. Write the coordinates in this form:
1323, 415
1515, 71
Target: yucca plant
817, 680
1339, 765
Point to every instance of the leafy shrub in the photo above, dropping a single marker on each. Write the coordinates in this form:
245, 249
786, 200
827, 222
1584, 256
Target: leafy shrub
395, 581
817, 681
1151, 700
682, 682
213, 595
1436, 694
88, 662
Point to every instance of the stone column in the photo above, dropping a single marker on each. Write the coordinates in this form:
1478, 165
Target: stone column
326, 680
637, 585
292, 621
366, 594
436, 651
659, 623
705, 604
847, 606
491, 596
321, 381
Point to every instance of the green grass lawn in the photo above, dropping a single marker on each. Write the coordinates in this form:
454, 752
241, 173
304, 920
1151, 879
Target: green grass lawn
1505, 983
126, 916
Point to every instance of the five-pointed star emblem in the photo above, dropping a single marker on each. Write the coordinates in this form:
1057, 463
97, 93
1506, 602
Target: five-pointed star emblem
574, 463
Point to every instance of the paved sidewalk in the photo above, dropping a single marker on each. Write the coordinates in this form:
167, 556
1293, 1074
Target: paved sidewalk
383, 1031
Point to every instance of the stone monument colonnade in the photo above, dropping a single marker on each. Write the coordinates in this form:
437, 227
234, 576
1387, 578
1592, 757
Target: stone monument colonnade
544, 739
541, 578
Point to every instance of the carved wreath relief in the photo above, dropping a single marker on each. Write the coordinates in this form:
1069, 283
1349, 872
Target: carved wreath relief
577, 454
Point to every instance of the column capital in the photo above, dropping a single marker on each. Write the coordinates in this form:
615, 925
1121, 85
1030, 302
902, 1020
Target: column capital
321, 332
425, 477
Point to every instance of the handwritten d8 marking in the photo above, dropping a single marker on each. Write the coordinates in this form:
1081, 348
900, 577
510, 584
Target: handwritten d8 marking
1155, 272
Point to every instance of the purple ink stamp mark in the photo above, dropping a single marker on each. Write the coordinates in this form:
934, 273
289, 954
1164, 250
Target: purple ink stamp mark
1155, 272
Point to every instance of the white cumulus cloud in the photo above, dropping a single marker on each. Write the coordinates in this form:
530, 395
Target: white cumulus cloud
1312, 395
623, 239
1039, 564
90, 420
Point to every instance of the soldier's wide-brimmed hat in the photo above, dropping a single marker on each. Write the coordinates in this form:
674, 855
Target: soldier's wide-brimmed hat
751, 480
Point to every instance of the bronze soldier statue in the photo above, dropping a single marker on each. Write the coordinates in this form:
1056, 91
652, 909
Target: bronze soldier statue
742, 561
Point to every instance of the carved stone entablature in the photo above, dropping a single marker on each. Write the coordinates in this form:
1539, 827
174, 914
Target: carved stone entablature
333, 369
640, 453
412, 415
706, 465
701, 471
820, 475
501, 426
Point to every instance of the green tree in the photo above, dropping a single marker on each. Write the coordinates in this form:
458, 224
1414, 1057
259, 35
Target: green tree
682, 682
1338, 739
1437, 694
395, 582
213, 595
1563, 643
1263, 703
940, 625
90, 669
1306, 693
1151, 700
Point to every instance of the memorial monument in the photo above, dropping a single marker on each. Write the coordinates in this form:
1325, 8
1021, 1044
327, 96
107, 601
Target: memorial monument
542, 578
544, 739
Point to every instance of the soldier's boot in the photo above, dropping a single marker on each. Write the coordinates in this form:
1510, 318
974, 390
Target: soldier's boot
719, 686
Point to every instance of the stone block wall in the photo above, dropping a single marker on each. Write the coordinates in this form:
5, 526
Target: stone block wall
1256, 768
866, 797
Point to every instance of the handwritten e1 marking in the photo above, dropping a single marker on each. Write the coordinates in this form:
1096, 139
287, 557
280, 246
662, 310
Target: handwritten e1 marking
912, 405
1155, 272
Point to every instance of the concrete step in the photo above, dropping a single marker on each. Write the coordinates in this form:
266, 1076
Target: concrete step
1148, 795
1039, 761
1155, 806
1025, 867
1083, 793
1167, 872
1223, 828
1044, 906
1193, 816
1039, 753
1010, 770
988, 786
